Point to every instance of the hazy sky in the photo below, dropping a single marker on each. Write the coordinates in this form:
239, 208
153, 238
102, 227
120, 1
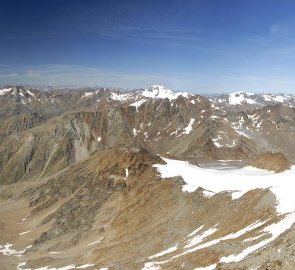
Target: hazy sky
202, 46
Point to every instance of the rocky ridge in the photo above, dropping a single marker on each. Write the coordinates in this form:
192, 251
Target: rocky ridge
81, 165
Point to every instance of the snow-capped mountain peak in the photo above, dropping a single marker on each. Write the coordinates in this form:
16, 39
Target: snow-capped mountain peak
160, 91
276, 98
241, 97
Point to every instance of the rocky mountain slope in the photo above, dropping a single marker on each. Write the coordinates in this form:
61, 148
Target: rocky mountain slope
81, 186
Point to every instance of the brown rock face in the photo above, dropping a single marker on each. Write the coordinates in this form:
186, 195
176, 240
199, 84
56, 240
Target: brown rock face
276, 162
78, 185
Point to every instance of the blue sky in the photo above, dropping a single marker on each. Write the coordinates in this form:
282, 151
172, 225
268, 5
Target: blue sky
203, 46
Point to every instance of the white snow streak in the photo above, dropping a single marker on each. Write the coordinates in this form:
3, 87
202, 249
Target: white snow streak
162, 253
25, 232
137, 104
96, 242
274, 229
84, 266
199, 238
195, 231
189, 128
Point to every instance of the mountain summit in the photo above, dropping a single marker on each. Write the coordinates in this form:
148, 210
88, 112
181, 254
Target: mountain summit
160, 91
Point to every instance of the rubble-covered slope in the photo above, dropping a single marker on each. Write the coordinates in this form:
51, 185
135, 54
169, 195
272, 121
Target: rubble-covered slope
145, 179
114, 210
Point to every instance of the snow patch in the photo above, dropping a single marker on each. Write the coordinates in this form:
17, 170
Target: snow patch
4, 91
25, 232
274, 229
96, 242
120, 96
195, 231
135, 131
252, 238
85, 266
87, 94
189, 128
276, 98
31, 94
199, 238
137, 104
153, 265
6, 250
24, 219
238, 98
162, 253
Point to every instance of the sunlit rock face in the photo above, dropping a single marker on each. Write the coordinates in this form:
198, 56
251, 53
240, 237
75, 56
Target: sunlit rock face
145, 179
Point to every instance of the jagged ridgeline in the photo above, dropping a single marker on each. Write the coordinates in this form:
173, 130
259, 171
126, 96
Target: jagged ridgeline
81, 182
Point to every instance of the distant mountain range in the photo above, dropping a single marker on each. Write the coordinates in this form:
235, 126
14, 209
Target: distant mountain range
83, 179
251, 100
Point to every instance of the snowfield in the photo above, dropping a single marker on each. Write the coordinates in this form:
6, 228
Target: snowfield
238, 182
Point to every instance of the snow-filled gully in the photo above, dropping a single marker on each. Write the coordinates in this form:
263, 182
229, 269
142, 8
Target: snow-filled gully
238, 181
